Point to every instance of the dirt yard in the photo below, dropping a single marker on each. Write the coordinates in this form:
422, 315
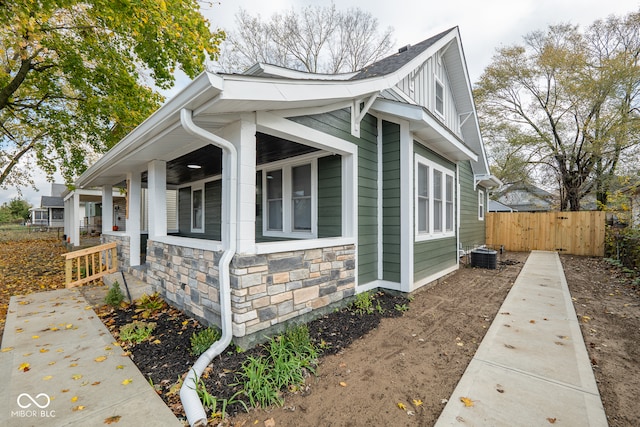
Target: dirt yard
402, 372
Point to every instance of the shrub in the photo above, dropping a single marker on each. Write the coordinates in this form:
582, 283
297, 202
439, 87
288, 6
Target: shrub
363, 304
202, 340
115, 296
136, 331
149, 304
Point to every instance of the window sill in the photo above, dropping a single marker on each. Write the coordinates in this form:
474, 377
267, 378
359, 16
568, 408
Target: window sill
428, 237
297, 245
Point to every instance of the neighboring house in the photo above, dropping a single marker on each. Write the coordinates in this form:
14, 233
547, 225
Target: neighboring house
296, 191
526, 198
495, 206
51, 210
633, 192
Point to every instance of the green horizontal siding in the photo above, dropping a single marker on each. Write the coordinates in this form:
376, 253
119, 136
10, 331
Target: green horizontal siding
338, 124
472, 230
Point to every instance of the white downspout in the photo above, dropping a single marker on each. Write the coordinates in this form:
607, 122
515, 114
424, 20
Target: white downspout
190, 401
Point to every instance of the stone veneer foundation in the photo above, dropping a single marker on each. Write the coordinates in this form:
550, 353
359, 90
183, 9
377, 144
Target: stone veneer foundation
122, 248
267, 291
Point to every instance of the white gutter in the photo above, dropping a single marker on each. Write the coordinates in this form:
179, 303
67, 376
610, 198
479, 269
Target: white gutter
190, 401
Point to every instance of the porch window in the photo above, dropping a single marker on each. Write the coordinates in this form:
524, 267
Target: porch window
434, 203
439, 91
481, 205
290, 200
197, 210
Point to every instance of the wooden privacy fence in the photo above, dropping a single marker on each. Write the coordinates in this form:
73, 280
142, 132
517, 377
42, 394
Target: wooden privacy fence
89, 264
577, 233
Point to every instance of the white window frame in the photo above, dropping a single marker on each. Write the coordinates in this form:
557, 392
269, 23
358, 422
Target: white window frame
287, 166
481, 205
430, 234
437, 83
194, 188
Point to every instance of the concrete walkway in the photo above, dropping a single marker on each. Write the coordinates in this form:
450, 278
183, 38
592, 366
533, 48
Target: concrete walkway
532, 368
76, 374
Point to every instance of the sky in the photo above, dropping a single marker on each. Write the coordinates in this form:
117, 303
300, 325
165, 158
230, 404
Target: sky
485, 25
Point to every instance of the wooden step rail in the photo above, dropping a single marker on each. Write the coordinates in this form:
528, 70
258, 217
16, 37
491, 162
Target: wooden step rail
87, 265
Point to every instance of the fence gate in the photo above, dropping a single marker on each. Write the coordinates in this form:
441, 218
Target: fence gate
577, 233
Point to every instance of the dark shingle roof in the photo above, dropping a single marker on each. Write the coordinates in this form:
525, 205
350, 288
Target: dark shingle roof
51, 202
397, 60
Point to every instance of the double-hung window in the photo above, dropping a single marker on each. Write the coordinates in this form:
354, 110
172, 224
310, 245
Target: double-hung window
290, 200
434, 201
439, 97
481, 205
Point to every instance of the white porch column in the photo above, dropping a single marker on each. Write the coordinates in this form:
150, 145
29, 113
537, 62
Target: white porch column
133, 218
67, 215
107, 208
406, 207
75, 219
243, 136
157, 193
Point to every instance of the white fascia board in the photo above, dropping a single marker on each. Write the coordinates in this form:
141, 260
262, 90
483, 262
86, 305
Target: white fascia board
260, 68
205, 82
418, 118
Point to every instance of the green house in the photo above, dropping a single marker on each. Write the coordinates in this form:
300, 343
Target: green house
281, 193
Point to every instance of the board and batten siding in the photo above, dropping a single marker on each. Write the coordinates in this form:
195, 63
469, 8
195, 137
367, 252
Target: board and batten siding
433, 256
472, 229
338, 124
330, 196
419, 85
391, 261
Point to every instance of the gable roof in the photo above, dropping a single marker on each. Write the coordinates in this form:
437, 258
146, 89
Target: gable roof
396, 61
220, 99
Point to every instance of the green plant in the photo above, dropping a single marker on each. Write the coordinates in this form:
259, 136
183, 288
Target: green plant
379, 308
136, 331
363, 304
401, 307
202, 340
114, 296
149, 304
211, 402
258, 384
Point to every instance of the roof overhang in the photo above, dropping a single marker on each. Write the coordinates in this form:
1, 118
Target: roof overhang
487, 181
427, 129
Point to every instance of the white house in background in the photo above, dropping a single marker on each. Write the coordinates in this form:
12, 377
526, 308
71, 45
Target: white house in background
291, 192
51, 210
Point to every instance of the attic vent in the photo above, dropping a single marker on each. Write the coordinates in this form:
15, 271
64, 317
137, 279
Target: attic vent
404, 48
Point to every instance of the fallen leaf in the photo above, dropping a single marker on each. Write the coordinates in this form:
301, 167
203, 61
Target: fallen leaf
157, 341
532, 321
47, 378
44, 350
53, 328
74, 399
35, 337
113, 419
65, 390
24, 367
343, 384
417, 402
73, 365
467, 402
77, 408
270, 423
120, 367
402, 406
52, 363
585, 319
127, 381
95, 383
551, 420
100, 358
76, 376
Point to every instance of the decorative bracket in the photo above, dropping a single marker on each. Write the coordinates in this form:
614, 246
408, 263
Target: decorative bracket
358, 114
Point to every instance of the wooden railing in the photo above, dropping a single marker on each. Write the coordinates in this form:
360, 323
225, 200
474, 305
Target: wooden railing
87, 265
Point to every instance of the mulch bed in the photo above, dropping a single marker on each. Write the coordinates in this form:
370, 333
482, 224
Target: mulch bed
165, 357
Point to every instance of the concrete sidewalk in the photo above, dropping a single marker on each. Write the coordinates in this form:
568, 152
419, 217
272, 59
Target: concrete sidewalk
532, 367
76, 374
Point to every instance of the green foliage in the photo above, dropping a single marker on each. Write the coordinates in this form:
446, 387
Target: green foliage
363, 304
136, 331
114, 296
289, 356
202, 340
147, 305
16, 211
76, 76
401, 307
213, 403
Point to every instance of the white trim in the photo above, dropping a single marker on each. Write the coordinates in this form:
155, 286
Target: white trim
406, 206
287, 206
481, 203
380, 204
422, 282
188, 242
194, 188
382, 284
421, 236
302, 244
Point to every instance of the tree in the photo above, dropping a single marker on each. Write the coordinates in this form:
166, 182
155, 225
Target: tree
77, 76
16, 210
573, 97
318, 39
